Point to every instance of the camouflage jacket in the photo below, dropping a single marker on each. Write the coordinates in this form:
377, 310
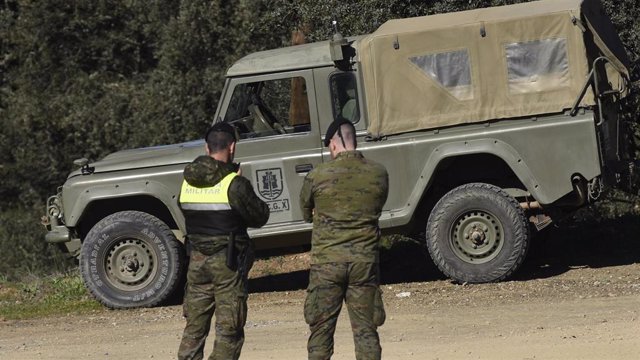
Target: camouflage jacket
344, 198
205, 171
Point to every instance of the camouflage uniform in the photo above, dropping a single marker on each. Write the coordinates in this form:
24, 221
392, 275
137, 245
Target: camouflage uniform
344, 199
211, 285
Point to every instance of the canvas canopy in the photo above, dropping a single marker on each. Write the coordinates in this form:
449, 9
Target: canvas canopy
492, 63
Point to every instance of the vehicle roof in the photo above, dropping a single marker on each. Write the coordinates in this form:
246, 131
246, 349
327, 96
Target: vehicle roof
606, 37
288, 58
489, 14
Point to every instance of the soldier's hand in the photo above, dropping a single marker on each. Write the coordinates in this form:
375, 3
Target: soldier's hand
238, 170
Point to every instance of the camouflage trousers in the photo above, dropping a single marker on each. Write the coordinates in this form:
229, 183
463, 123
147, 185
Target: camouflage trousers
213, 287
357, 285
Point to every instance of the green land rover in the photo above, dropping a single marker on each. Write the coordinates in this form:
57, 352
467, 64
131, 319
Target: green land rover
491, 123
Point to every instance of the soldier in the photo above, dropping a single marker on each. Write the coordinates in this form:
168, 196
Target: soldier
344, 198
218, 206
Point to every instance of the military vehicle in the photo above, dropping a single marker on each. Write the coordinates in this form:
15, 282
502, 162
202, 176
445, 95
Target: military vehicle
491, 122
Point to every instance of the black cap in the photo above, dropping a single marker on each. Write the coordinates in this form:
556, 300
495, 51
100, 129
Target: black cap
333, 127
221, 127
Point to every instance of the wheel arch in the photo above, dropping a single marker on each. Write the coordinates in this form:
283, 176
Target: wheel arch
98, 209
463, 166
474, 160
487, 168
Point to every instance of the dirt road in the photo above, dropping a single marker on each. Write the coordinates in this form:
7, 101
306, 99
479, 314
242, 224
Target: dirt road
551, 319
579, 299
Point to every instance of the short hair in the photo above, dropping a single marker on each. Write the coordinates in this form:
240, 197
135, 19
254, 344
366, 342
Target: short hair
220, 136
348, 133
345, 126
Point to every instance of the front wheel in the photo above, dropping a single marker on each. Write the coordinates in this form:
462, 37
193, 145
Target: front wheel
131, 259
477, 233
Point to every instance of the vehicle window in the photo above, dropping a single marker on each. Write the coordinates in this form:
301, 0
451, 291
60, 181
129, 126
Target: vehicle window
344, 97
272, 107
450, 69
536, 66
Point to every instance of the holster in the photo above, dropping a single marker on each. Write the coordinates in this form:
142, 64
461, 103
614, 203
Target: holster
232, 262
187, 246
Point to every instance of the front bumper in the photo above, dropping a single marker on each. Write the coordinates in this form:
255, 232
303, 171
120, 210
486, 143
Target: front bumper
53, 221
57, 234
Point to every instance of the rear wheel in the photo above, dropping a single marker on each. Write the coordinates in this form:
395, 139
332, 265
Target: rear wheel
131, 259
477, 233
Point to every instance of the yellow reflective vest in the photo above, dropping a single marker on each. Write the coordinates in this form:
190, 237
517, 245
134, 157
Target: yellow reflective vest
210, 198
207, 211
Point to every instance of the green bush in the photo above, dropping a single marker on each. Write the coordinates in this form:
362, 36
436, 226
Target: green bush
23, 251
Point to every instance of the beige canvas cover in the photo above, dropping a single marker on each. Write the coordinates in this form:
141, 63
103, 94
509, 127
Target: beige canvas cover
484, 64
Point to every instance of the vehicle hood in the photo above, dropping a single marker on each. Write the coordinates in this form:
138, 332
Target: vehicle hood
163, 155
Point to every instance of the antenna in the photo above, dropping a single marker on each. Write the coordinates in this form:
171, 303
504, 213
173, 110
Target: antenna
334, 22
337, 42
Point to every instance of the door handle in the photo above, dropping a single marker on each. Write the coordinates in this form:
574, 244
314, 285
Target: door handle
304, 168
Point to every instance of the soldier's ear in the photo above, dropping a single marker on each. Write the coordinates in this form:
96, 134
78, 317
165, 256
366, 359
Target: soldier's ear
332, 147
206, 149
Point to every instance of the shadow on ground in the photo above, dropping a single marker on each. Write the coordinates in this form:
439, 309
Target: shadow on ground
600, 244
605, 243
405, 261
295, 280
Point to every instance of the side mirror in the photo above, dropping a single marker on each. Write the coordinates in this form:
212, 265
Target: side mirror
84, 166
81, 162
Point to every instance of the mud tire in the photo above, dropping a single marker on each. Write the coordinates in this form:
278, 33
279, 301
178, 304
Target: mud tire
477, 233
132, 259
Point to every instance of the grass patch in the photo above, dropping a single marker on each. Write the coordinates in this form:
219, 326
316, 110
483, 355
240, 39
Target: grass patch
51, 295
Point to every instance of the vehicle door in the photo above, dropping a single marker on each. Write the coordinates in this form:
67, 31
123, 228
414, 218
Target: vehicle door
276, 121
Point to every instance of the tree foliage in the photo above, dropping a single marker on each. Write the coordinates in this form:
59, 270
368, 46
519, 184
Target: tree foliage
84, 78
